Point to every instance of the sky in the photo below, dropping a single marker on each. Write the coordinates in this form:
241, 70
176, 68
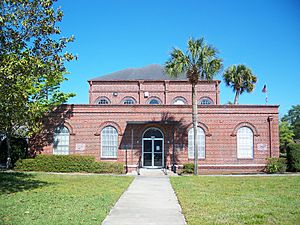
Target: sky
117, 34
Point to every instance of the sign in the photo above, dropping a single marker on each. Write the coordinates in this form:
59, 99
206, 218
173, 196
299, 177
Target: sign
262, 147
80, 147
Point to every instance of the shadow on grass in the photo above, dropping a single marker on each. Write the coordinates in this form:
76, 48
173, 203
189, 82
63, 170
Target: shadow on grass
17, 182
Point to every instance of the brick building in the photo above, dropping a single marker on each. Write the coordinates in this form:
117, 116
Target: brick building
143, 117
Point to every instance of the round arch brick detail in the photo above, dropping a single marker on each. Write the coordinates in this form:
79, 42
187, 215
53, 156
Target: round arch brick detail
108, 123
244, 124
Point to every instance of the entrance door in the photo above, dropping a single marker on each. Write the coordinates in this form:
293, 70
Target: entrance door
153, 152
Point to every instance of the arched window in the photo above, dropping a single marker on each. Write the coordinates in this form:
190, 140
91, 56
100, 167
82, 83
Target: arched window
245, 143
201, 143
153, 132
128, 101
103, 101
205, 101
154, 101
61, 141
179, 101
109, 142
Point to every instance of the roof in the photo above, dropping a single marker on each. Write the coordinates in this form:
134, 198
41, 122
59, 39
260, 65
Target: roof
150, 72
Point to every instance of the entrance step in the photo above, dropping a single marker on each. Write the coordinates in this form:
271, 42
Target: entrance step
152, 172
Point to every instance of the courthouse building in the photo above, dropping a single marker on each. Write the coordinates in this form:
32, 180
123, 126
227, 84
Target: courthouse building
142, 117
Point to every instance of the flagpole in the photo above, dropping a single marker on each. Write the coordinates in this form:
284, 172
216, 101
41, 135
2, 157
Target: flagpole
265, 90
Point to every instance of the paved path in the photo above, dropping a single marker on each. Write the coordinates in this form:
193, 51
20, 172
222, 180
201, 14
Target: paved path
148, 200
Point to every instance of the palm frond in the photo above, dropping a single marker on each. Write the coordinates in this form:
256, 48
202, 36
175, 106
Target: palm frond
200, 61
240, 78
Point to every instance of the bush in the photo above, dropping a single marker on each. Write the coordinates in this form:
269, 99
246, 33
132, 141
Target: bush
293, 157
188, 168
68, 163
276, 165
19, 150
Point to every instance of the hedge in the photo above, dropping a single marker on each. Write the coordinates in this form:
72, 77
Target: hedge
293, 157
276, 165
68, 163
188, 168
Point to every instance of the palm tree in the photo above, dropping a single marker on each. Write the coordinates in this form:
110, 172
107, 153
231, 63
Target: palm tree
241, 79
199, 62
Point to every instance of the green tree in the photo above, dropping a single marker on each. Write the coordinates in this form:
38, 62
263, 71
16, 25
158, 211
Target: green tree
199, 62
240, 78
293, 118
32, 67
286, 135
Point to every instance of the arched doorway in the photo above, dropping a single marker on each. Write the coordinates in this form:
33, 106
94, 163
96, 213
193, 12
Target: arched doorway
153, 148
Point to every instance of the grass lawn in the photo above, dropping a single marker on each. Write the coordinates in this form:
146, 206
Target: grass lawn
239, 200
40, 198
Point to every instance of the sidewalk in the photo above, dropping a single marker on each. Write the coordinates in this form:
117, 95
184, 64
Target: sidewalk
148, 200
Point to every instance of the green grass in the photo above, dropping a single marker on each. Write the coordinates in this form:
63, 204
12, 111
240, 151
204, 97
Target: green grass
239, 200
40, 198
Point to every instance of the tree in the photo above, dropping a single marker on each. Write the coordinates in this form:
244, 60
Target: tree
200, 61
293, 119
240, 78
31, 65
286, 135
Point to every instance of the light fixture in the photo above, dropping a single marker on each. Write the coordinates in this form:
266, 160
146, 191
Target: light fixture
146, 94
115, 94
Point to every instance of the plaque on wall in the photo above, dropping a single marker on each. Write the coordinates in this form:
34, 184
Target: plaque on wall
262, 147
80, 147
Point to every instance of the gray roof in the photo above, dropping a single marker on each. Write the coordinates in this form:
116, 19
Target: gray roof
150, 72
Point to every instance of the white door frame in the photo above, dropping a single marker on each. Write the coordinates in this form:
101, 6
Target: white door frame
162, 150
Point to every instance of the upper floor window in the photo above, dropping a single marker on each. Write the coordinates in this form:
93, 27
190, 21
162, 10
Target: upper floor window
179, 101
154, 101
245, 143
109, 142
128, 101
103, 101
205, 101
61, 141
201, 143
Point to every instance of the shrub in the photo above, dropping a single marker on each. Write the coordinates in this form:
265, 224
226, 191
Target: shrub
188, 168
19, 150
293, 157
68, 163
276, 165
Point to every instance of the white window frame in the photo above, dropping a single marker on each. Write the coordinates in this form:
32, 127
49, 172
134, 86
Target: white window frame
201, 143
154, 98
128, 99
61, 141
201, 101
245, 143
103, 99
109, 142
183, 101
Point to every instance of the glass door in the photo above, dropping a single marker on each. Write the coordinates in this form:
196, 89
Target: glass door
147, 153
157, 153
153, 152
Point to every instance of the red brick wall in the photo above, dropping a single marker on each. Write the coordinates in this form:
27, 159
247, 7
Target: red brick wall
219, 122
166, 91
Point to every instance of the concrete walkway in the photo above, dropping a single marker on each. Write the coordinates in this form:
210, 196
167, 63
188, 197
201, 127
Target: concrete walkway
148, 200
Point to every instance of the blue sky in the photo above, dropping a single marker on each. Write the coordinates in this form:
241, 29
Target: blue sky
115, 35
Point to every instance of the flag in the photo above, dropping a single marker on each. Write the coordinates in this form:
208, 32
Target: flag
264, 90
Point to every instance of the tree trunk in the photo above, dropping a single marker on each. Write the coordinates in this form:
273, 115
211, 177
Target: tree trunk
8, 161
236, 98
195, 125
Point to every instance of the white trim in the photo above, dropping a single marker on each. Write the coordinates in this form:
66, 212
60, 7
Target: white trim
58, 134
229, 165
153, 139
239, 144
101, 144
131, 166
